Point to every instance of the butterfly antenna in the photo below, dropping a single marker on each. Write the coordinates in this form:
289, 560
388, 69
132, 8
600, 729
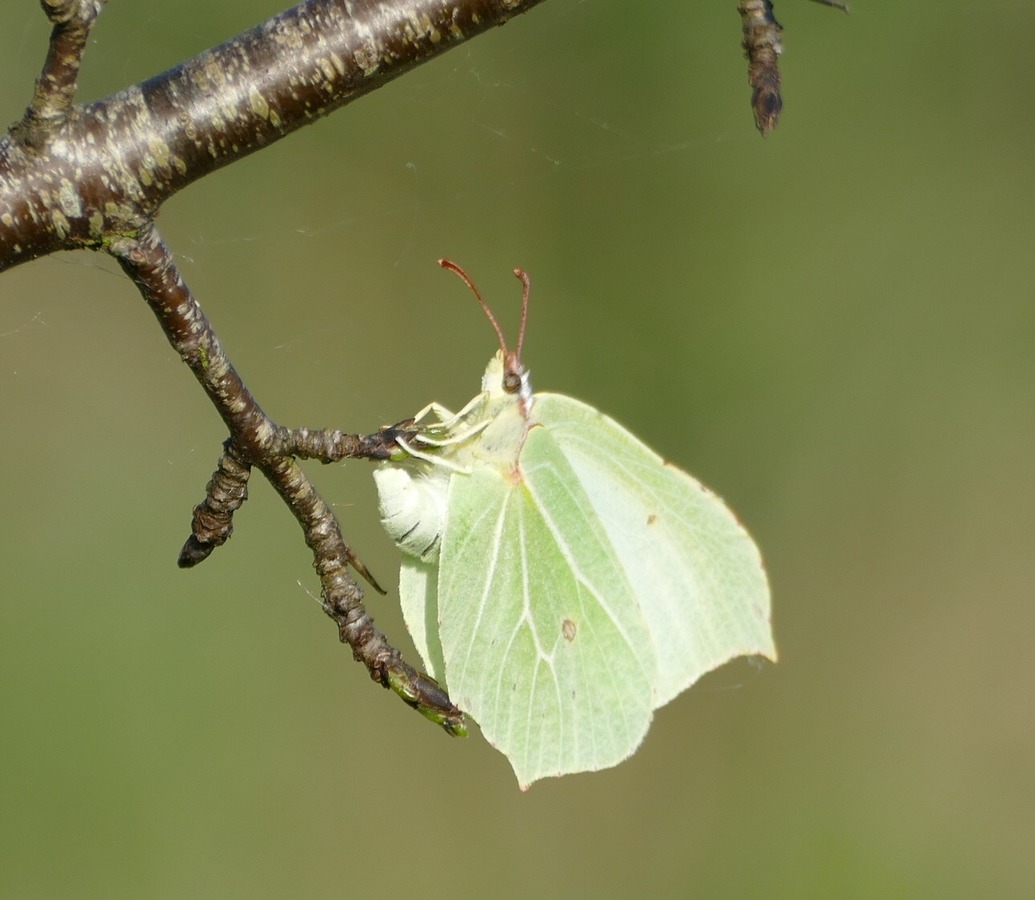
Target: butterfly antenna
463, 276
525, 291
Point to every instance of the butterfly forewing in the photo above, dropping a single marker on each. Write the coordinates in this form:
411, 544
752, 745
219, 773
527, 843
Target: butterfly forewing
696, 572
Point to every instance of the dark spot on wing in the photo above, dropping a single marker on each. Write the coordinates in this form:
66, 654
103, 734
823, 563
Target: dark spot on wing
568, 629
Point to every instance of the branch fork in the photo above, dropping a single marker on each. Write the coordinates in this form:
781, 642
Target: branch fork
256, 441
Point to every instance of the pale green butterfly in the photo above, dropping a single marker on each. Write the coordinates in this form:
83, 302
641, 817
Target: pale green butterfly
559, 577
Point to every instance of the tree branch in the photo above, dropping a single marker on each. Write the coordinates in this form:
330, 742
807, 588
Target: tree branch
79, 177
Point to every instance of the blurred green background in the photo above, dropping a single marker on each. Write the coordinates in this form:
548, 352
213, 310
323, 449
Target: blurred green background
833, 328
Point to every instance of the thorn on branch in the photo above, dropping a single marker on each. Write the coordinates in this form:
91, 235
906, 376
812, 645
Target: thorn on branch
368, 576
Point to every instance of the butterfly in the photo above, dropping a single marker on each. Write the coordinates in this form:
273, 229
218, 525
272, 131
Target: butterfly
559, 577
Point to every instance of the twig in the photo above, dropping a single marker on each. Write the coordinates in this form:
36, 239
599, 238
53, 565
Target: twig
212, 522
763, 47
56, 85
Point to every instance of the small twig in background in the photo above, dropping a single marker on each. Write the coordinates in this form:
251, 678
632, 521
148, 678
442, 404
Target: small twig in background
763, 47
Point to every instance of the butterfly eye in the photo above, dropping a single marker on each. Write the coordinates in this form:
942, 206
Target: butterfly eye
512, 383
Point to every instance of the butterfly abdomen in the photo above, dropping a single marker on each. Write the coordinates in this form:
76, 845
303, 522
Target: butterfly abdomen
412, 506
